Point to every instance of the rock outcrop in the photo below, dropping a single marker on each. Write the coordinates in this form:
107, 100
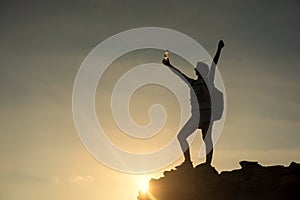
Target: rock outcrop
203, 182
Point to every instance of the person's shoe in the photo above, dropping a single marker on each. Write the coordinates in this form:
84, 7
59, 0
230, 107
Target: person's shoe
185, 165
205, 168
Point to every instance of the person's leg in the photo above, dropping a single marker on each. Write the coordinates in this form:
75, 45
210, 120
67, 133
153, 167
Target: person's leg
185, 132
207, 139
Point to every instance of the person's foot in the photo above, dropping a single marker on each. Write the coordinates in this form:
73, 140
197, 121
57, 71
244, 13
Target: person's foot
205, 168
185, 165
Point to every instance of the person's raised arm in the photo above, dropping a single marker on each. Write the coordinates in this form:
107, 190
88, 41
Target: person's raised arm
212, 70
166, 62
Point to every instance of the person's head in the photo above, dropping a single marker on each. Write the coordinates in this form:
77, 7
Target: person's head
202, 68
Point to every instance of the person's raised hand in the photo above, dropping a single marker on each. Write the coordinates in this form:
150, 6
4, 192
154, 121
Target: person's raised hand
221, 44
166, 62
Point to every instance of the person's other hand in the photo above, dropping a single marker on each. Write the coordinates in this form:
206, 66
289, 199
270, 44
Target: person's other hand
221, 44
166, 62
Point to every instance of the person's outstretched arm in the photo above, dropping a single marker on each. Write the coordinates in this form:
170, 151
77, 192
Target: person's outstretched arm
167, 63
212, 71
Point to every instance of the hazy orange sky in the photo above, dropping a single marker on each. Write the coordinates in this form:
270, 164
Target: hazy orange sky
44, 43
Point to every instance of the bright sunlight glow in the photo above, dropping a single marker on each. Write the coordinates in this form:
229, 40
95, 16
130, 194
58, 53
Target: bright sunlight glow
143, 183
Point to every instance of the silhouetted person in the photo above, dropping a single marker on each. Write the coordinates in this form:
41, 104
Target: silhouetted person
206, 96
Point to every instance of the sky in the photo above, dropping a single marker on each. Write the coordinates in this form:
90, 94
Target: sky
43, 44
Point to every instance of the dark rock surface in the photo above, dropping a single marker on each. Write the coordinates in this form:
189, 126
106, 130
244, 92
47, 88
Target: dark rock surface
203, 182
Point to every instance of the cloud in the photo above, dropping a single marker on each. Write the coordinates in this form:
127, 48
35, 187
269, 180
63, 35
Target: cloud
55, 179
75, 179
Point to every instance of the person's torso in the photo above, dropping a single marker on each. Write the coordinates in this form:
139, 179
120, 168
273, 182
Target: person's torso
201, 94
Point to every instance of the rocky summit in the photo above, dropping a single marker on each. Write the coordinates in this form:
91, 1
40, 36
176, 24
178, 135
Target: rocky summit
203, 182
